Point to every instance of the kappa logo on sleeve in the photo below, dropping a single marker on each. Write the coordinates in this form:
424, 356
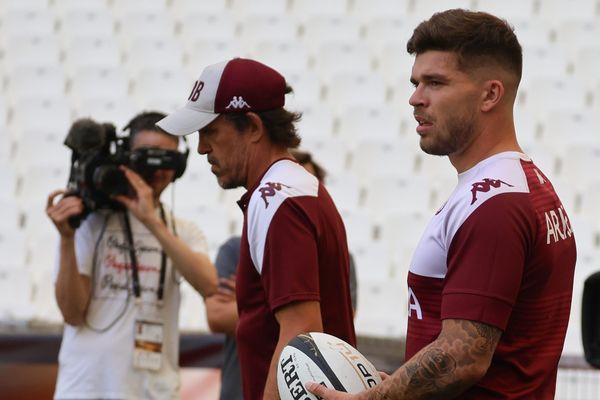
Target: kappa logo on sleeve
485, 185
269, 190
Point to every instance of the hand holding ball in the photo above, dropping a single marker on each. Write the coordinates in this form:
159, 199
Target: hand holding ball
326, 359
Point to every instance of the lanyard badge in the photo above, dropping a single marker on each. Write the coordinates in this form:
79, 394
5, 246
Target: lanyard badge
148, 343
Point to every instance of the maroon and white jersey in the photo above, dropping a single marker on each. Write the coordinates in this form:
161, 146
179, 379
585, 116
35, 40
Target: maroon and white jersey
501, 251
293, 248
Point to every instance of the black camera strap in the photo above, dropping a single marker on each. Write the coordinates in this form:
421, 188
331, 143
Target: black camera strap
135, 277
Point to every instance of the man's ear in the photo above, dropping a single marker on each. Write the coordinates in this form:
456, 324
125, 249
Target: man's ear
256, 128
492, 95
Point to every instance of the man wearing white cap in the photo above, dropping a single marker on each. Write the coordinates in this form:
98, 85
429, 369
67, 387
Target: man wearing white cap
293, 271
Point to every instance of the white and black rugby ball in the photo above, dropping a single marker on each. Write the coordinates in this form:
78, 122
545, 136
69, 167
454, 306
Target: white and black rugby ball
326, 359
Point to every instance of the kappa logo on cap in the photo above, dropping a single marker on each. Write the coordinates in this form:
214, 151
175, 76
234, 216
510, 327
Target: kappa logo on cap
238, 102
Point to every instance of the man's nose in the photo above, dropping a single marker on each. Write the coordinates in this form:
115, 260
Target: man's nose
203, 147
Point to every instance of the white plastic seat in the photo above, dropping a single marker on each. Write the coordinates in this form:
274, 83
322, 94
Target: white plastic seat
204, 52
97, 23
91, 52
41, 148
51, 114
426, 8
368, 11
12, 245
553, 10
117, 111
307, 9
359, 226
285, 56
23, 5
16, 289
576, 36
38, 21
401, 233
242, 8
323, 29
154, 53
306, 93
31, 50
11, 221
545, 96
373, 262
317, 122
330, 153
543, 62
135, 26
373, 159
532, 32
197, 187
35, 81
38, 182
587, 64
394, 63
345, 190
570, 127
123, 8
387, 194
580, 162
181, 8
155, 87
212, 220
382, 308
590, 198
343, 87
258, 28
386, 29
509, 9
335, 58
369, 122
205, 26
192, 312
98, 82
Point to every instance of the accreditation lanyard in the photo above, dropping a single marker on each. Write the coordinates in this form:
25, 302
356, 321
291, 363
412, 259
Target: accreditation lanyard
135, 277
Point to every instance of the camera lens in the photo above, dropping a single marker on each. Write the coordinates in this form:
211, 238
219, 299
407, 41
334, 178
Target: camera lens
110, 180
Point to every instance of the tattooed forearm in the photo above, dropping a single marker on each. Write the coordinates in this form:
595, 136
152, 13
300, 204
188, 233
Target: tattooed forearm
456, 360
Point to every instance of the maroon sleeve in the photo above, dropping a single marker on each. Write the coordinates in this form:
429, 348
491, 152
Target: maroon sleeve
486, 259
290, 265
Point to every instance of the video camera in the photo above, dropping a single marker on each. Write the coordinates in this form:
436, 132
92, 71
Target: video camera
97, 153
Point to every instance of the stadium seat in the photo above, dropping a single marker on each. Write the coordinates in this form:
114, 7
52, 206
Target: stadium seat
164, 90
255, 29
509, 9
543, 62
394, 61
242, 9
345, 189
31, 50
192, 312
15, 302
204, 52
52, 114
117, 111
306, 95
332, 59
17, 22
544, 96
92, 82
391, 193
532, 32
96, 23
347, 91
154, 54
286, 56
586, 64
12, 240
182, 8
317, 122
122, 8
369, 11
382, 308
91, 52
359, 227
331, 153
40, 148
425, 8
30, 82
321, 30
304, 10
205, 26
553, 10
368, 122
134, 26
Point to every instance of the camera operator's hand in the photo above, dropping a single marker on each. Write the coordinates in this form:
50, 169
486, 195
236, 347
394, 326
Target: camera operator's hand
59, 213
143, 204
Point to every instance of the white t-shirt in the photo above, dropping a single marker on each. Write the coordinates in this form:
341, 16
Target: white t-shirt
96, 358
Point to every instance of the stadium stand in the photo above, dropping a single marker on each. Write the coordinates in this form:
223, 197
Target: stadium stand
346, 59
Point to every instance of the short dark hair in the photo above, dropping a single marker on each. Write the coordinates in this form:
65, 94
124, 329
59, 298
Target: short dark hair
304, 157
477, 38
279, 124
146, 121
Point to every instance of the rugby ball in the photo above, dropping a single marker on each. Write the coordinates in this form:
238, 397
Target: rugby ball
326, 359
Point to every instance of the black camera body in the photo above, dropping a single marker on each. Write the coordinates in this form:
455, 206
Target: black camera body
97, 154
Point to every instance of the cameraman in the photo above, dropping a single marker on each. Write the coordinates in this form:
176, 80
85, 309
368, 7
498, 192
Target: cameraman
121, 304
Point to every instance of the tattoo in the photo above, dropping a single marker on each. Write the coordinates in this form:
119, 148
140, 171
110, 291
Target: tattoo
446, 367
